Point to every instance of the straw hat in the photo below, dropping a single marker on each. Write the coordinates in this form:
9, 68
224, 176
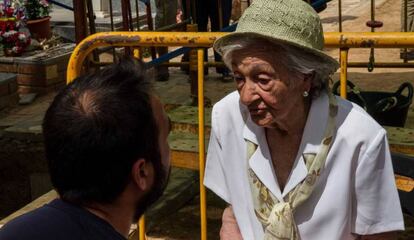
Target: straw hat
284, 22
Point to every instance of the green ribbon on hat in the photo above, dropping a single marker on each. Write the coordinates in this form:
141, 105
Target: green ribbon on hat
276, 216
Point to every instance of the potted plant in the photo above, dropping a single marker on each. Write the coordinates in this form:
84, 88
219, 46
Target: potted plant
13, 41
37, 18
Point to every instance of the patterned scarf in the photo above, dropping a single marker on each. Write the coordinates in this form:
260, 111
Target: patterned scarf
277, 217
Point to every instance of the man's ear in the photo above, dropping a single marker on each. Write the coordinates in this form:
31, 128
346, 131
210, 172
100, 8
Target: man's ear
142, 174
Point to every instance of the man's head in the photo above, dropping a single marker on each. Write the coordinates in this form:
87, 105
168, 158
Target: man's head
104, 132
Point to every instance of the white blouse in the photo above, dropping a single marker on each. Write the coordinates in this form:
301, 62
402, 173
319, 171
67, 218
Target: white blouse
355, 193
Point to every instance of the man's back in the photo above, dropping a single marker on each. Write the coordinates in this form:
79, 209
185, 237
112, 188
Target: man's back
59, 220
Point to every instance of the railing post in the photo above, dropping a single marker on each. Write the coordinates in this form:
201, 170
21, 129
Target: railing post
193, 67
141, 228
201, 143
79, 11
344, 71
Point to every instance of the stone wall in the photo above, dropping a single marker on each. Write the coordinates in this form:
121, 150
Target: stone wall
8, 90
40, 71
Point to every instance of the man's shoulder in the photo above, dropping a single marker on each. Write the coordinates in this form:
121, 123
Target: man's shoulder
45, 222
58, 220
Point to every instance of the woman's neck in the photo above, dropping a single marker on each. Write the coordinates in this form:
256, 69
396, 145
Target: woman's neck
293, 123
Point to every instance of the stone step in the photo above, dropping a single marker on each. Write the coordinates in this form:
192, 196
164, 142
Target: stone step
8, 90
184, 150
183, 139
401, 140
185, 119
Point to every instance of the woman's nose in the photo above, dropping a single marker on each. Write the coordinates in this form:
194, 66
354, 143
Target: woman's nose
248, 93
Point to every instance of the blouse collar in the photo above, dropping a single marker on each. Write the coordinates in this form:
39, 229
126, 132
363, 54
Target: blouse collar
261, 162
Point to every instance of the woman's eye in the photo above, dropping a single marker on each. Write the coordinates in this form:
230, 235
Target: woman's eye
264, 81
238, 79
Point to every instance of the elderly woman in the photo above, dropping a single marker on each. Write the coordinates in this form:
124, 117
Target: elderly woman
292, 160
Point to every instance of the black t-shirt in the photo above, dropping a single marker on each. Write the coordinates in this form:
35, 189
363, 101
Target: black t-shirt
59, 220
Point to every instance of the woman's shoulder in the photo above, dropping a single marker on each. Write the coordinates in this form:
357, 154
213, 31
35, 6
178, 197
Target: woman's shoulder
229, 111
356, 118
229, 100
230, 104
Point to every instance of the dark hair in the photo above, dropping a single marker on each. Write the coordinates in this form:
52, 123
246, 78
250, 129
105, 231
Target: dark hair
95, 130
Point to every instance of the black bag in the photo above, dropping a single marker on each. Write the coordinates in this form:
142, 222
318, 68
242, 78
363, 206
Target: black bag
389, 109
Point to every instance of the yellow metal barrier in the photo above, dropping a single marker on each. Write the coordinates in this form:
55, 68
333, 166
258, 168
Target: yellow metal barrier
193, 39
141, 227
201, 143
344, 41
135, 39
369, 40
344, 71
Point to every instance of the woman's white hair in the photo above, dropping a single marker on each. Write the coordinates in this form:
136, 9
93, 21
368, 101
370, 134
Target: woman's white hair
292, 58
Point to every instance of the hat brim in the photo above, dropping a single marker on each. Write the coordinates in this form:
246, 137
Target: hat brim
233, 38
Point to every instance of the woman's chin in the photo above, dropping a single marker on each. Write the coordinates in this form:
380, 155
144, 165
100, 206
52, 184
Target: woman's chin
262, 122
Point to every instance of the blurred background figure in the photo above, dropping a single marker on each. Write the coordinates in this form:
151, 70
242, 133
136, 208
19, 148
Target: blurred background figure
219, 13
168, 12
409, 55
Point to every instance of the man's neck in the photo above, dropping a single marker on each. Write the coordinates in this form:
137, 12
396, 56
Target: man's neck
118, 216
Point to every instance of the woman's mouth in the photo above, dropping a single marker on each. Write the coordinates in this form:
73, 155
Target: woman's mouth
257, 111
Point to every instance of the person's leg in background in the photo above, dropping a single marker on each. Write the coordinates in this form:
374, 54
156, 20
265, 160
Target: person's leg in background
165, 15
409, 24
201, 19
226, 6
202, 15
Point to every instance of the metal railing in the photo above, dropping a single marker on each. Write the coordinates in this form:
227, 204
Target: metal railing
62, 5
343, 41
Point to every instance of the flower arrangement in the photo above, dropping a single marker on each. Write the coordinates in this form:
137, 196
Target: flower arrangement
36, 9
12, 9
13, 41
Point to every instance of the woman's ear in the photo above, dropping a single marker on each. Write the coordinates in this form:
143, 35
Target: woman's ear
308, 80
142, 174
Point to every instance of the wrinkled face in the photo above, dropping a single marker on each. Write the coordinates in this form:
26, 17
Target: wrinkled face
268, 90
162, 171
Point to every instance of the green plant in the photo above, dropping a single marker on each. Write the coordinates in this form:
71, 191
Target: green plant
36, 9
